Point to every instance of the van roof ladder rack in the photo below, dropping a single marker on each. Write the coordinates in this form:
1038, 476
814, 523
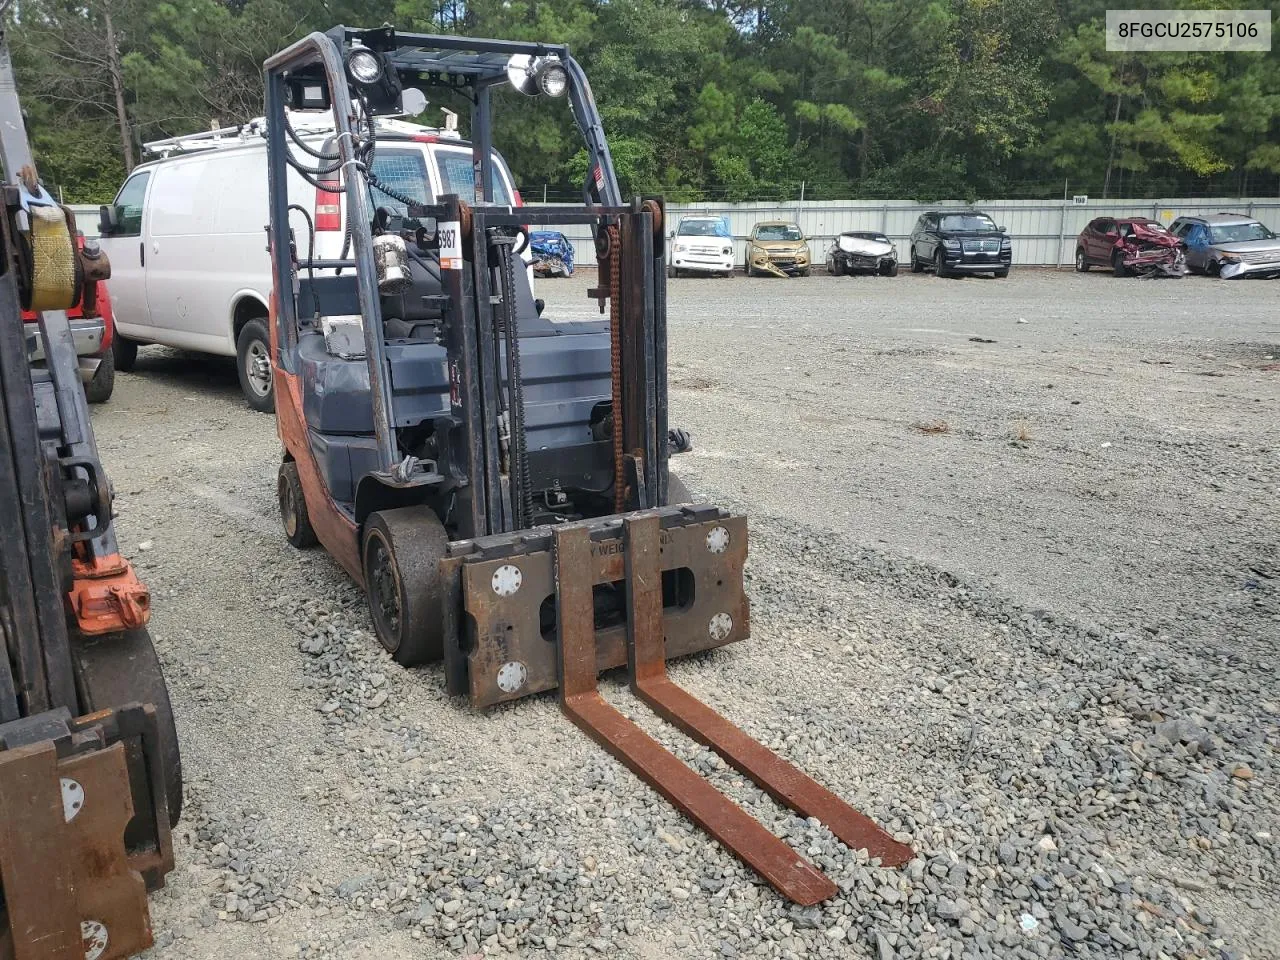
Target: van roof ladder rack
304, 122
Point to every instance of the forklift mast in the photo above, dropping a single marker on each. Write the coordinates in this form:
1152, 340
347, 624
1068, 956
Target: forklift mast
474, 239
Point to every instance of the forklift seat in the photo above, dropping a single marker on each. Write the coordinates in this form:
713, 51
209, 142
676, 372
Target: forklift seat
408, 315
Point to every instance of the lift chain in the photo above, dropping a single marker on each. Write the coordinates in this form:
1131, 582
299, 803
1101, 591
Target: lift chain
614, 265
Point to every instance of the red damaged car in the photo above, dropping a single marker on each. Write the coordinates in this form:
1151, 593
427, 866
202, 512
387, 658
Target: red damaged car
1131, 246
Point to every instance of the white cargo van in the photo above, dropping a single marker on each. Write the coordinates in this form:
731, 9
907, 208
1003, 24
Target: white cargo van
187, 233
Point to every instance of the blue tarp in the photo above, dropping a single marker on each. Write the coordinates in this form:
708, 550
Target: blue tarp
551, 251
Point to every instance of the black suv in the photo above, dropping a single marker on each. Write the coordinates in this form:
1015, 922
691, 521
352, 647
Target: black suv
960, 241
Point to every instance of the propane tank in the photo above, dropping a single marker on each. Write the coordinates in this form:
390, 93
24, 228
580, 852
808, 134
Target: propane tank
392, 262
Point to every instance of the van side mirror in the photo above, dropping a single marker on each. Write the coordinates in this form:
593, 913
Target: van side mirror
1004, 229
108, 219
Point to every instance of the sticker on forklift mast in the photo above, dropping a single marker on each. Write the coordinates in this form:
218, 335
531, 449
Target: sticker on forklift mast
450, 245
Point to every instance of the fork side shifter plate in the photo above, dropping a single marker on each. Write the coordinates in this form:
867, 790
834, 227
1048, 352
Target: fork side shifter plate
696, 552
69, 879
506, 626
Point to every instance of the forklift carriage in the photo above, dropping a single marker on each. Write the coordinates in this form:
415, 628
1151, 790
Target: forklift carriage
497, 480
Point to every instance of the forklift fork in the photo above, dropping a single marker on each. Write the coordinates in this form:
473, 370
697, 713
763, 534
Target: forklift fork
748, 839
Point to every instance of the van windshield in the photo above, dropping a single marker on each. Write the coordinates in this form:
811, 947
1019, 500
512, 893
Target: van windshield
457, 175
402, 172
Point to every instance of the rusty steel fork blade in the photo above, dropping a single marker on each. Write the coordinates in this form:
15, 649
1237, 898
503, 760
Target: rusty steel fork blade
739, 832
780, 779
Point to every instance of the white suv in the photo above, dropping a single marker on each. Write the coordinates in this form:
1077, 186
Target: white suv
187, 242
702, 245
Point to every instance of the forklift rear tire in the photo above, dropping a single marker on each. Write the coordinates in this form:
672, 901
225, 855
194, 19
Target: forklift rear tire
103, 382
124, 352
400, 553
293, 507
120, 668
253, 360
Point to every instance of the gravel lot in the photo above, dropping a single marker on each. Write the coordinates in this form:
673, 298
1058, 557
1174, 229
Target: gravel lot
1016, 594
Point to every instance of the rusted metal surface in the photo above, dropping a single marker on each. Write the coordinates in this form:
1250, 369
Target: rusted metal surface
782, 781
505, 633
152, 782
788, 872
106, 595
70, 890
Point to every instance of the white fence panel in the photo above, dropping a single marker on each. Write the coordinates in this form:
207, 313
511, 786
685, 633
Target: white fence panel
1044, 231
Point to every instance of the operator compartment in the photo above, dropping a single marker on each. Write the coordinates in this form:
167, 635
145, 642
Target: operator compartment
565, 376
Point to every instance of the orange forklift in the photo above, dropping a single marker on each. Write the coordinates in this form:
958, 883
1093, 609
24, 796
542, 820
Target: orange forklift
496, 478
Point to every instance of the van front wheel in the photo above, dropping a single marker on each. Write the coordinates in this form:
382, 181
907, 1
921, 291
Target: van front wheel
253, 357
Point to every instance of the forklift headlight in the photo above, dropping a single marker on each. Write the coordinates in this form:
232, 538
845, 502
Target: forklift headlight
364, 66
553, 79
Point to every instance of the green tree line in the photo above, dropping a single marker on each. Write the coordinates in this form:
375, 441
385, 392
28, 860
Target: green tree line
722, 99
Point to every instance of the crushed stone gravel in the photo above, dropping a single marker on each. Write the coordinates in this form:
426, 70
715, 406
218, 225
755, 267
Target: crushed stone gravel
1016, 595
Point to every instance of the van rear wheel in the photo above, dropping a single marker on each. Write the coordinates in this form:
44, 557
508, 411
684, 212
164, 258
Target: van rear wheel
253, 358
100, 387
124, 352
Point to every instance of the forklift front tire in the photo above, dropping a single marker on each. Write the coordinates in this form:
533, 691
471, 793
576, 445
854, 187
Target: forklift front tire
400, 553
120, 668
293, 507
677, 492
